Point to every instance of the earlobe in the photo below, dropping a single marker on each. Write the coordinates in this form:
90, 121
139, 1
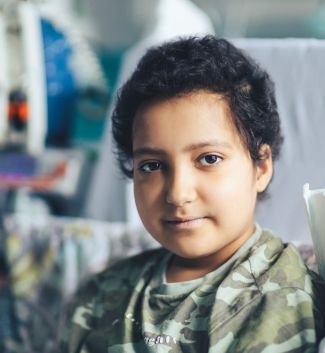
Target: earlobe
264, 168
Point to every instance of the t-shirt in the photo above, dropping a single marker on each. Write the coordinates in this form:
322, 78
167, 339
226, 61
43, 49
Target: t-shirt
263, 299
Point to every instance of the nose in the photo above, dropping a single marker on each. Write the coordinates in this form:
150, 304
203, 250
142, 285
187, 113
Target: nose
180, 188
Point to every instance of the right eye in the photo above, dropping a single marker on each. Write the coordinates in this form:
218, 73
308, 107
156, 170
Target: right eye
150, 167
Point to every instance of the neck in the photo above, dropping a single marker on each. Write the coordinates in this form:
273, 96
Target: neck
183, 269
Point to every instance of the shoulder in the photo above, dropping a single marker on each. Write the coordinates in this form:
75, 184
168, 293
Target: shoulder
113, 286
276, 265
268, 287
103, 299
270, 272
123, 275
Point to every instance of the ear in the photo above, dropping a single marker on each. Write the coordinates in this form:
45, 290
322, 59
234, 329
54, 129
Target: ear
264, 168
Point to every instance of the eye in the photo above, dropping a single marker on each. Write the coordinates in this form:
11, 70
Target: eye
210, 159
150, 167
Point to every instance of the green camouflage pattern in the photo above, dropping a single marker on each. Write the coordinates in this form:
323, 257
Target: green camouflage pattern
267, 302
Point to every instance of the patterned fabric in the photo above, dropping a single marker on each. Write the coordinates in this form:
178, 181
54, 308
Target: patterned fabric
49, 259
267, 302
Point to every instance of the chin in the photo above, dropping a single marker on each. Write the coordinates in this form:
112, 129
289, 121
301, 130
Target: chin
191, 254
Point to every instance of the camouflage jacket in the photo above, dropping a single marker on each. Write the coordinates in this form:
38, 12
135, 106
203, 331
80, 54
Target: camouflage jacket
267, 301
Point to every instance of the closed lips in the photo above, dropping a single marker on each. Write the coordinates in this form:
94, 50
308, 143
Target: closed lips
185, 221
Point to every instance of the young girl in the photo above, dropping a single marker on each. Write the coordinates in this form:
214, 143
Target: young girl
197, 128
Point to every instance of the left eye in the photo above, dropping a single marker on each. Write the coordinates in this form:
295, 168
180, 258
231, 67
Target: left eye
210, 159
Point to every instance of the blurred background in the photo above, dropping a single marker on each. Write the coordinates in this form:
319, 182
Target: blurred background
119, 24
112, 26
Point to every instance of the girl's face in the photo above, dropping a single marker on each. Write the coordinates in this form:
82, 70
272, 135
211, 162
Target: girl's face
195, 184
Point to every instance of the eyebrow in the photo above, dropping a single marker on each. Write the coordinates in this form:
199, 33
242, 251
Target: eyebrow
157, 151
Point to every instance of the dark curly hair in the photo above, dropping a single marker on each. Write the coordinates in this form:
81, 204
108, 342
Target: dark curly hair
190, 64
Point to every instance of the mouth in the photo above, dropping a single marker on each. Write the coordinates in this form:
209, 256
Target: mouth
184, 223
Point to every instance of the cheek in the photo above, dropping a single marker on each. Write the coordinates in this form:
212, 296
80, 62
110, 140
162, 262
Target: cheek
218, 195
233, 190
147, 203
142, 203
147, 193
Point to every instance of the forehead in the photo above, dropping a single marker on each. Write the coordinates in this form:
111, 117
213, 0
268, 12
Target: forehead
197, 115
